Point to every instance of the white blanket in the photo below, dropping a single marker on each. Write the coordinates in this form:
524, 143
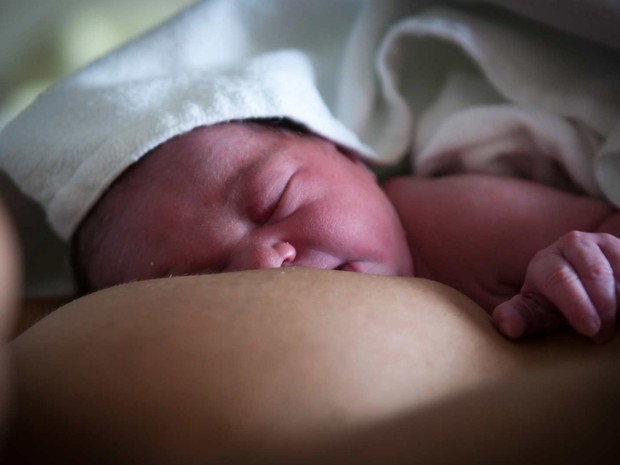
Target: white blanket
456, 88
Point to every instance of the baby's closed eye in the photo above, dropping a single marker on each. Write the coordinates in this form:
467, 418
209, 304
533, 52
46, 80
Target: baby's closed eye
270, 203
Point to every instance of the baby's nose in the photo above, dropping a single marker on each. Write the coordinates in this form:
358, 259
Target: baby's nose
285, 254
260, 256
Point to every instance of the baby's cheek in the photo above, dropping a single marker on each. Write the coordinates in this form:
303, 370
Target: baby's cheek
127, 254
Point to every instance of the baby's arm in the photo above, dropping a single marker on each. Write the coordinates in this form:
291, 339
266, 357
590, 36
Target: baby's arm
578, 276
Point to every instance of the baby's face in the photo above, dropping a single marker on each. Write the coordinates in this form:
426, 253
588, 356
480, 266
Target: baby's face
244, 196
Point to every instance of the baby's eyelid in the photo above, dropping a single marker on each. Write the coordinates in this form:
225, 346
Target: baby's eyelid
261, 212
276, 206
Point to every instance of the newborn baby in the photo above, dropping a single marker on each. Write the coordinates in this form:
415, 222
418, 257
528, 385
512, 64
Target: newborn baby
246, 195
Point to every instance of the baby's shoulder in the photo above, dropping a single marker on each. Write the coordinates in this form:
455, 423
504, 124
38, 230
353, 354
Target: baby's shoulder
485, 199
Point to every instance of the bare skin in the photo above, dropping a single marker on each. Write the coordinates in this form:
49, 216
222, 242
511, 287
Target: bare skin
295, 364
519, 249
243, 196
271, 199
9, 284
299, 365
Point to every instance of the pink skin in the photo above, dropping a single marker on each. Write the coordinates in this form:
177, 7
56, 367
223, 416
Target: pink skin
244, 196
577, 274
514, 247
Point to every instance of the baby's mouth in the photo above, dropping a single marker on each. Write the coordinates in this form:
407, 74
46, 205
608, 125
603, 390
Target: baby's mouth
348, 266
327, 261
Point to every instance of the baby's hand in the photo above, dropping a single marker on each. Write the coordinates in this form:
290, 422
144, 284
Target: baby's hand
573, 281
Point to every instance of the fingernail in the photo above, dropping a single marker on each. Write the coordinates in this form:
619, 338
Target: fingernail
590, 326
514, 330
509, 322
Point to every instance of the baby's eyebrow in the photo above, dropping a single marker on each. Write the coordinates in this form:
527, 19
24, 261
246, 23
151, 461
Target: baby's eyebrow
247, 175
236, 190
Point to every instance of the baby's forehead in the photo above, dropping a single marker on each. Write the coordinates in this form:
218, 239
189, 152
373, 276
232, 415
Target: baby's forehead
239, 143
232, 153
210, 148
216, 155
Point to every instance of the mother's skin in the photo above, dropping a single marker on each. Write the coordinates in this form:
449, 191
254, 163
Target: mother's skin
302, 365
9, 279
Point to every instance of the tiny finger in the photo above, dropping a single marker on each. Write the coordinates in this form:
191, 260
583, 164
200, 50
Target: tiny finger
550, 275
596, 275
527, 315
611, 249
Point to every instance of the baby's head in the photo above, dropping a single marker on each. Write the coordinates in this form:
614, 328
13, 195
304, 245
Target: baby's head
240, 196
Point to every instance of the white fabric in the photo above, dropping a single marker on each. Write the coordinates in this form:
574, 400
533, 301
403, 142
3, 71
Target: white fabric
468, 88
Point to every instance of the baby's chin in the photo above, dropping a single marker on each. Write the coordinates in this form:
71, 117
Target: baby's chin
108, 272
402, 269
